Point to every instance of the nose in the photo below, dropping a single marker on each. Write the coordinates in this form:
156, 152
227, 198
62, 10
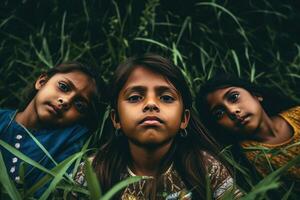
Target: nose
64, 102
151, 105
233, 112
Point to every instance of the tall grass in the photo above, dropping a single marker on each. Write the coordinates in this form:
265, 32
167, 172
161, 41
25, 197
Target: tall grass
257, 40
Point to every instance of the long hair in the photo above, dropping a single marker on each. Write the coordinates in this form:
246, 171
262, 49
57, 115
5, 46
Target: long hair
114, 156
92, 118
273, 103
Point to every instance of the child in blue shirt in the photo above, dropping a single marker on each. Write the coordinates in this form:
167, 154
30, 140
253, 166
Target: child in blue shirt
60, 114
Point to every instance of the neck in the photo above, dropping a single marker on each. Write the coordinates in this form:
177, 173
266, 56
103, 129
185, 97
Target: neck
267, 130
146, 161
26, 117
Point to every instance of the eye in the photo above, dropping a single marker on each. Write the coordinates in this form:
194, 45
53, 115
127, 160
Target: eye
233, 97
167, 98
63, 86
80, 106
134, 98
218, 114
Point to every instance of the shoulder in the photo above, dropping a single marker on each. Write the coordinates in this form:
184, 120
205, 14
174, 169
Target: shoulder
79, 176
209, 159
80, 179
292, 116
6, 116
291, 112
214, 167
221, 180
4, 113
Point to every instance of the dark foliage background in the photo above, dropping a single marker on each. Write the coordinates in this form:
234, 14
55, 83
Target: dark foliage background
258, 40
255, 39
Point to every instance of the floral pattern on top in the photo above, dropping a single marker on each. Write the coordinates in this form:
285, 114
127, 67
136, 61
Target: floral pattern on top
172, 187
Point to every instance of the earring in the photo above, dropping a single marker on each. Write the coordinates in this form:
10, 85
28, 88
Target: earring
183, 133
118, 132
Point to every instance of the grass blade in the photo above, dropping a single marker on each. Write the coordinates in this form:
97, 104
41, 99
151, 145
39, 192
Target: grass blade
270, 181
120, 186
60, 170
92, 181
25, 158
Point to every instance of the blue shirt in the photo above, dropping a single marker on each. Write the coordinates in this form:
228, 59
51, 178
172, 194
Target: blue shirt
60, 143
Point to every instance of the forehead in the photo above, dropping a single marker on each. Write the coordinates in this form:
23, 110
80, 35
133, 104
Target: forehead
219, 95
142, 76
82, 82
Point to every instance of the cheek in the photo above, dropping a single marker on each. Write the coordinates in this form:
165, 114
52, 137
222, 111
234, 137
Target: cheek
174, 114
225, 123
74, 115
172, 111
126, 115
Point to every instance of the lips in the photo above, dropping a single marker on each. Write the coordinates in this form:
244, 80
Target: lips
243, 120
55, 109
151, 120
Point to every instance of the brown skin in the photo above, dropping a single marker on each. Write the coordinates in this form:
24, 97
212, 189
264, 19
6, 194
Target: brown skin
150, 114
240, 112
61, 100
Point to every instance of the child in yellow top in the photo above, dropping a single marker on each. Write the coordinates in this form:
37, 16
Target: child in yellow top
287, 150
266, 127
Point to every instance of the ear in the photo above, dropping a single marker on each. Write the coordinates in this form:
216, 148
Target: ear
41, 81
185, 119
115, 119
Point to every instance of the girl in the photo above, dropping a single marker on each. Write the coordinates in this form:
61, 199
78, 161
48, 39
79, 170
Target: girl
157, 135
60, 114
245, 116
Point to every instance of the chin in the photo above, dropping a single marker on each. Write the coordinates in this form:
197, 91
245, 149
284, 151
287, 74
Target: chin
152, 143
155, 145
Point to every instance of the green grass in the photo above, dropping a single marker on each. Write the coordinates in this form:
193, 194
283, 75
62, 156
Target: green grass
257, 40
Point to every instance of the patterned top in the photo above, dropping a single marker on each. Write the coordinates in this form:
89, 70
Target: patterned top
277, 155
172, 187
60, 143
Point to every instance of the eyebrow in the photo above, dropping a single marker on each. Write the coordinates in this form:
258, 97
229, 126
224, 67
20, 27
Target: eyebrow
139, 89
158, 89
74, 88
214, 107
227, 93
162, 89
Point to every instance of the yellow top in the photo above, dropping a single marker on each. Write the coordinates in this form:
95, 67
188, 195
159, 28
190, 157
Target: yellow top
270, 157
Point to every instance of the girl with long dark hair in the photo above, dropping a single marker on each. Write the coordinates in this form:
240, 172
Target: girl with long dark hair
156, 134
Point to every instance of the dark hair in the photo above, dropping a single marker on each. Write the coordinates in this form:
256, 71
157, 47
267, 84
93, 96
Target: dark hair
114, 156
272, 103
92, 119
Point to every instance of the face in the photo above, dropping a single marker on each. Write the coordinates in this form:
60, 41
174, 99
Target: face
63, 98
150, 109
236, 109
